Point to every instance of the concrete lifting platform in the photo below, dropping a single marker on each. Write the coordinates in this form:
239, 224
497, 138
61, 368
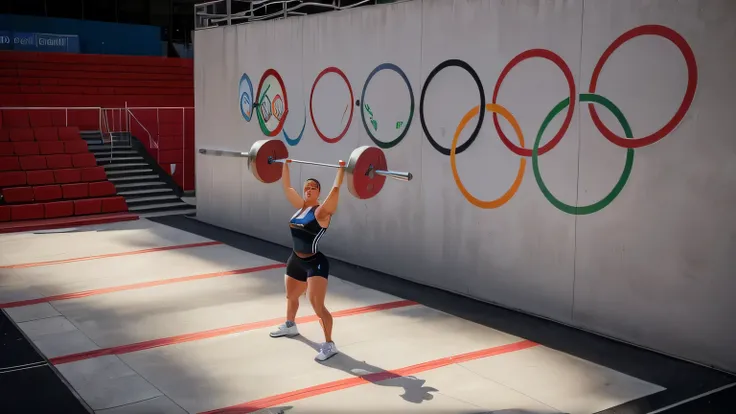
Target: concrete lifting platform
170, 315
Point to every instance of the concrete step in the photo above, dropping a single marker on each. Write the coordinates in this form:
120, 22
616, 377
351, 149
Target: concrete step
130, 193
157, 206
121, 172
115, 166
141, 185
113, 151
169, 212
137, 200
134, 178
115, 159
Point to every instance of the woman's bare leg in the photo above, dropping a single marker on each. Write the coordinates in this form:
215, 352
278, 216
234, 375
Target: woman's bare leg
294, 289
317, 293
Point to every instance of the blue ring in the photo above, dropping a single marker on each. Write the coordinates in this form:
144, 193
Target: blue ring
294, 141
389, 66
240, 97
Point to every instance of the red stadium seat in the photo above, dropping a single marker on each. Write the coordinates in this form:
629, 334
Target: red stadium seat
75, 147
59, 161
21, 134
6, 148
13, 118
15, 195
33, 162
9, 164
88, 206
46, 133
47, 193
94, 174
85, 160
27, 212
73, 191
5, 213
51, 148
59, 118
40, 177
67, 176
4, 135
40, 118
69, 133
25, 148
59, 209
101, 189
12, 179
114, 205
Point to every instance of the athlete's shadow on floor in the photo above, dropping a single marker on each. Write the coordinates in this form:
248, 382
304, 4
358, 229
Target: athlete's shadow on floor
414, 389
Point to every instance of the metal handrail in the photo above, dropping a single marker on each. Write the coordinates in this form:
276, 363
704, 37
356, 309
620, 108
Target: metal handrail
151, 142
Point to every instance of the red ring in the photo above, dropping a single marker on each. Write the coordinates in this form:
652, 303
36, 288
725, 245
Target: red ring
692, 81
557, 60
286, 102
311, 96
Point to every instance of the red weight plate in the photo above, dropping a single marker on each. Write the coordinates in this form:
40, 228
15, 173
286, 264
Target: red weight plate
258, 160
360, 184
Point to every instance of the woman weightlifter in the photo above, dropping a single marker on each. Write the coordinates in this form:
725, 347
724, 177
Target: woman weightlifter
307, 267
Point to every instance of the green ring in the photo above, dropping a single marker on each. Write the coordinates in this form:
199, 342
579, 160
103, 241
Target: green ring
605, 201
261, 122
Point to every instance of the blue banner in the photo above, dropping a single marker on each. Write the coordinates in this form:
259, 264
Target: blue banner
39, 42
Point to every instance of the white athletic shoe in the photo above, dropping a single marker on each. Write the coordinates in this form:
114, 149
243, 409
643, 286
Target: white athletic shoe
326, 351
283, 330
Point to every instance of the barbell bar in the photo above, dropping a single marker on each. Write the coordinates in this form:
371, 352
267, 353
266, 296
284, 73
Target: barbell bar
366, 169
397, 175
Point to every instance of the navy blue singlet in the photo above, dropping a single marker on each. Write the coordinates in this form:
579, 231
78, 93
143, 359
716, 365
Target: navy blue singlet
306, 231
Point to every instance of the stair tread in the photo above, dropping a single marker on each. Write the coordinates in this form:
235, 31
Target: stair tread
120, 172
140, 184
135, 177
147, 191
158, 205
146, 199
132, 164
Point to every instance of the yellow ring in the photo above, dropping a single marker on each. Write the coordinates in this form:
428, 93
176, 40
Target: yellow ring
491, 107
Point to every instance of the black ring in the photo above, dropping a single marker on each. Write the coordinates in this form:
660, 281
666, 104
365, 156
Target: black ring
389, 144
461, 64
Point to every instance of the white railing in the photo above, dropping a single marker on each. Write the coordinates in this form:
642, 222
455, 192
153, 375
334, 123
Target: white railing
154, 139
214, 13
112, 122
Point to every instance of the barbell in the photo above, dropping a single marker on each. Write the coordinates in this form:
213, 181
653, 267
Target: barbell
366, 169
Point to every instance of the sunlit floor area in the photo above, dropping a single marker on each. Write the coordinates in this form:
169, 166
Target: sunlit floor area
171, 315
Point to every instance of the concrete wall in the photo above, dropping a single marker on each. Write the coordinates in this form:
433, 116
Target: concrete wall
629, 238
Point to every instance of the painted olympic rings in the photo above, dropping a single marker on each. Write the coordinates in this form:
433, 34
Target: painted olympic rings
266, 106
387, 66
692, 81
461, 64
557, 60
294, 141
597, 206
337, 71
245, 96
274, 106
496, 109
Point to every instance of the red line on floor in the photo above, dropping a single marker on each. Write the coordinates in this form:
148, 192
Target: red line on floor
338, 385
60, 223
142, 285
106, 256
196, 336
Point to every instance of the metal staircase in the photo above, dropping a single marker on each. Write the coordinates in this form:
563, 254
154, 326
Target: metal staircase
147, 189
